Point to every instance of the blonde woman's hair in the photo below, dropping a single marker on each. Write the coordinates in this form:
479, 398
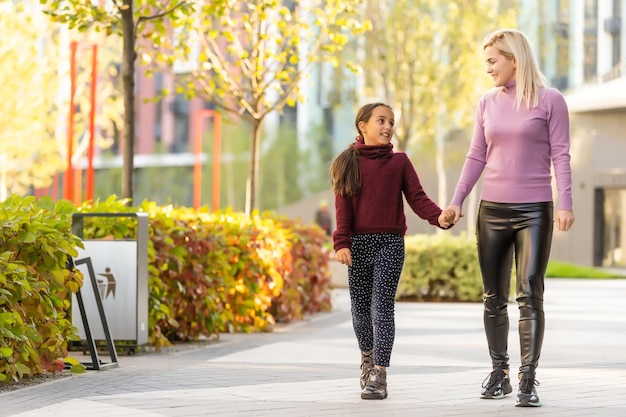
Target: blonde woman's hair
529, 80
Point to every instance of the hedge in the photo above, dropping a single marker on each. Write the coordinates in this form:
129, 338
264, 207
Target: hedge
209, 272
35, 327
440, 267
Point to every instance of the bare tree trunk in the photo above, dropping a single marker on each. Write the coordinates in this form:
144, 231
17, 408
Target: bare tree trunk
442, 186
128, 80
253, 173
281, 183
440, 165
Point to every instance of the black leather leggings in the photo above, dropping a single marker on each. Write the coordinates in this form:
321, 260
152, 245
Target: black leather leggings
504, 230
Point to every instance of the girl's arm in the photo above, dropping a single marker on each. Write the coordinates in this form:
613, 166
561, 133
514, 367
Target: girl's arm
343, 217
417, 198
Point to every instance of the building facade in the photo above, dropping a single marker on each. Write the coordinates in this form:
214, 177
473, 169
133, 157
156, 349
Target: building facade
582, 51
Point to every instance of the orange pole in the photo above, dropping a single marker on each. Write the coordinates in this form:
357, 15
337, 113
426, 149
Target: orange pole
197, 163
77, 193
92, 124
55, 186
68, 180
217, 158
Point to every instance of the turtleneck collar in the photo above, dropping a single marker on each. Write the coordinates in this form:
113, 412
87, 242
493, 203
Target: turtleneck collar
374, 151
510, 87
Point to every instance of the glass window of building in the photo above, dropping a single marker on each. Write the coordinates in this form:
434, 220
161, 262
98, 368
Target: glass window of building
591, 40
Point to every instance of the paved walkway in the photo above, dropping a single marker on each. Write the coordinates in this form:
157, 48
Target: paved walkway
311, 368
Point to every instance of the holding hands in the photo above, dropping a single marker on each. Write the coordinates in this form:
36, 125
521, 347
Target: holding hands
447, 219
450, 216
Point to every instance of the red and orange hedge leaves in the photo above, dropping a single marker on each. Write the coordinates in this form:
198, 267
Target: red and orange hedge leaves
213, 272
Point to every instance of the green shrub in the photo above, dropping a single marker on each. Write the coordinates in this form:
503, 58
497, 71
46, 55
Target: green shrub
36, 241
440, 267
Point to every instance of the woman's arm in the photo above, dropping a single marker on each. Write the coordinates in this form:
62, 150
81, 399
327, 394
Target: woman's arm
475, 160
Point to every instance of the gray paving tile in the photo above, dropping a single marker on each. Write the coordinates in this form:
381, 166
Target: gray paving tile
310, 368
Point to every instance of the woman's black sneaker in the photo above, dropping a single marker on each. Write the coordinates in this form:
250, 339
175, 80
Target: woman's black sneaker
527, 394
496, 385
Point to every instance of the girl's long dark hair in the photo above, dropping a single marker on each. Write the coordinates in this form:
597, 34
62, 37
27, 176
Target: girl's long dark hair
344, 170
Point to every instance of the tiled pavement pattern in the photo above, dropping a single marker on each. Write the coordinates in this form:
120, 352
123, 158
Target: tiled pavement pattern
311, 368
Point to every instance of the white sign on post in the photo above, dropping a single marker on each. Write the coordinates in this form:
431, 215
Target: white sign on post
115, 267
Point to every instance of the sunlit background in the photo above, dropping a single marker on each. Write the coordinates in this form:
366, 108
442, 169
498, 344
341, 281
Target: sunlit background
420, 56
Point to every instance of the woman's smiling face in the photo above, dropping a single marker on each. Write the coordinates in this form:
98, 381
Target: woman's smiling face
378, 130
501, 68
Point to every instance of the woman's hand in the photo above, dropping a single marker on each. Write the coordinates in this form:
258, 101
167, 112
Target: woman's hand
344, 256
454, 213
564, 219
446, 218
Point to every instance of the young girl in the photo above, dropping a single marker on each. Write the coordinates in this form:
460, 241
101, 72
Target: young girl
369, 180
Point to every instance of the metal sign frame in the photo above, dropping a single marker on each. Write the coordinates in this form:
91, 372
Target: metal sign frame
141, 300
95, 364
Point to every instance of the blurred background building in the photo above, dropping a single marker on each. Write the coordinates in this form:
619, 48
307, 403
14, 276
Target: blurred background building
582, 52
580, 47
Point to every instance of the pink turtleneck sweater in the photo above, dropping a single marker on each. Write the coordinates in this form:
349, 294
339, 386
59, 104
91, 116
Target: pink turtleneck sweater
515, 149
379, 207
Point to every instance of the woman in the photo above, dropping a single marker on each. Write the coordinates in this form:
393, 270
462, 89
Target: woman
521, 128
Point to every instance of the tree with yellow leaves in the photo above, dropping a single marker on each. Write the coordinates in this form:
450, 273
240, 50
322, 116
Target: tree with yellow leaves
424, 56
252, 58
29, 152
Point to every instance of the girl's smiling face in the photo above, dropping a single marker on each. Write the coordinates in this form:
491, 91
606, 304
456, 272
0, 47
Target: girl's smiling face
501, 68
378, 130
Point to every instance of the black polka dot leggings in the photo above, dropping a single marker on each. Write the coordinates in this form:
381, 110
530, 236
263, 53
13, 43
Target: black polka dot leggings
377, 261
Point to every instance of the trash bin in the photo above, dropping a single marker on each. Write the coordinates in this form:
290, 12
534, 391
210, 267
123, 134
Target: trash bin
119, 269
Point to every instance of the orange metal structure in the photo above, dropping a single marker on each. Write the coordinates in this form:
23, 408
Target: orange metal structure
72, 186
199, 117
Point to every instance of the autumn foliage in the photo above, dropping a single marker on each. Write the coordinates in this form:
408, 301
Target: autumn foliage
222, 271
209, 273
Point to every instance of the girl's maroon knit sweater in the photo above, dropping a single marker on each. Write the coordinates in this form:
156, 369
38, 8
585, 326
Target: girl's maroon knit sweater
379, 207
